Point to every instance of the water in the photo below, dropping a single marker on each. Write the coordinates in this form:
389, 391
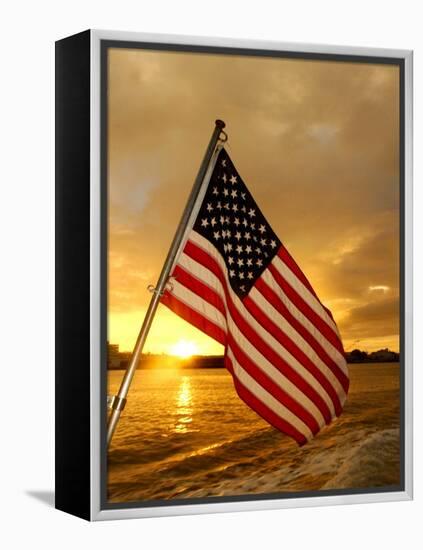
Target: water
185, 433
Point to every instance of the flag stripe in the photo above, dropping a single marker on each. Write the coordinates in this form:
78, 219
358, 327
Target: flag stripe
209, 294
280, 323
264, 342
193, 317
294, 350
303, 292
315, 348
206, 308
286, 257
305, 308
262, 406
276, 390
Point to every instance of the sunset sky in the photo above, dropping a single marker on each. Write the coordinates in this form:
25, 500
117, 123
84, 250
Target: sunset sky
316, 142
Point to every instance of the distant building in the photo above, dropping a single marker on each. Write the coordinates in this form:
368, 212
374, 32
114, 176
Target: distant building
113, 356
384, 355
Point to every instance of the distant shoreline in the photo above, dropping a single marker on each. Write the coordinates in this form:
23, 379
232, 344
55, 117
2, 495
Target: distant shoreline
151, 361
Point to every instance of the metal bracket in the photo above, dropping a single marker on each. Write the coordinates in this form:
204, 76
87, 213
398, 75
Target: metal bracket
153, 290
115, 402
168, 286
223, 139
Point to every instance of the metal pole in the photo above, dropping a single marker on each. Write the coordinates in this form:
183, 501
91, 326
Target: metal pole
119, 400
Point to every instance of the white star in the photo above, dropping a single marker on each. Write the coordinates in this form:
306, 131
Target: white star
233, 193
235, 207
252, 225
225, 247
244, 209
223, 234
240, 262
262, 229
227, 219
231, 273
251, 212
250, 275
222, 220
227, 206
241, 275
273, 244
233, 180
248, 249
216, 235
204, 223
213, 222
242, 287
259, 263
225, 192
228, 234
263, 242
219, 205
258, 250
247, 236
224, 162
237, 235
224, 178
209, 207
236, 221
249, 262
215, 191
230, 260
244, 222
243, 195
229, 244
239, 249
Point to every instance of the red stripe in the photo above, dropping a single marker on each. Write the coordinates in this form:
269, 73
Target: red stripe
293, 349
202, 257
306, 310
286, 257
271, 387
198, 287
271, 296
193, 317
262, 410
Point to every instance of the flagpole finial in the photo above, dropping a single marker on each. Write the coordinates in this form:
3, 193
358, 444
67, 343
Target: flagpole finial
220, 124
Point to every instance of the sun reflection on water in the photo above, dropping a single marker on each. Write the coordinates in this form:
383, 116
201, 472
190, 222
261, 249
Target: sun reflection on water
184, 405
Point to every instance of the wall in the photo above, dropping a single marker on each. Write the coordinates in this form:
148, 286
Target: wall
26, 290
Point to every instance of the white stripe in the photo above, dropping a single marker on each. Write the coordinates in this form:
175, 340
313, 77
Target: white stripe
304, 292
269, 310
208, 278
307, 324
280, 410
281, 380
195, 302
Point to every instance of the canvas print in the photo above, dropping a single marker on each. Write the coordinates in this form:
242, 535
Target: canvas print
253, 275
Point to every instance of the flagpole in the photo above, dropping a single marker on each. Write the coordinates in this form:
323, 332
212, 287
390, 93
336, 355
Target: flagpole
119, 400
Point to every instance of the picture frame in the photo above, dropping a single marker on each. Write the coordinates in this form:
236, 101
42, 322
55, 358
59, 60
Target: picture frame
82, 195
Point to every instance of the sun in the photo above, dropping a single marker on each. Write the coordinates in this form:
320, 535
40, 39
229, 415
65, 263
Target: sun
184, 349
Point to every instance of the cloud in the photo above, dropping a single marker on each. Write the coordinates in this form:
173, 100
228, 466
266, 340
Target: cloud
315, 141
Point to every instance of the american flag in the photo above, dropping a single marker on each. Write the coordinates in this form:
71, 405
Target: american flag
235, 281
